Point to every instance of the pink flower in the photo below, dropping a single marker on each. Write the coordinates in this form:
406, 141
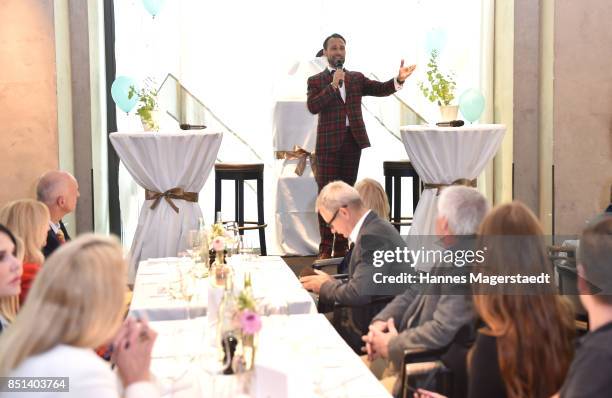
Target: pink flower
218, 244
250, 322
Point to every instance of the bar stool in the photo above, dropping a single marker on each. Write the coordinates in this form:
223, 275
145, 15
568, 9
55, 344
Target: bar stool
239, 173
394, 171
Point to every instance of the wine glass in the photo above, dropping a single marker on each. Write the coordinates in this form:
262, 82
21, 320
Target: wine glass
194, 244
232, 227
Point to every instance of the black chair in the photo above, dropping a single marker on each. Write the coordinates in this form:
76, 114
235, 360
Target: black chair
394, 171
424, 368
563, 259
239, 173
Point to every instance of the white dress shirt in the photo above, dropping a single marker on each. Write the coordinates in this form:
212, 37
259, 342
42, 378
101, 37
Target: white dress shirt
355, 232
89, 376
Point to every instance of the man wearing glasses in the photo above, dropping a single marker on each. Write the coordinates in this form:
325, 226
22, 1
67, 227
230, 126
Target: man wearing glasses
341, 208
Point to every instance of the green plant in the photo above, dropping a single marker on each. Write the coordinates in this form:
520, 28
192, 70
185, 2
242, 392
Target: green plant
441, 87
147, 100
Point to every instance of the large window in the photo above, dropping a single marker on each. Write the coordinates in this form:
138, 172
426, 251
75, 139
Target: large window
236, 55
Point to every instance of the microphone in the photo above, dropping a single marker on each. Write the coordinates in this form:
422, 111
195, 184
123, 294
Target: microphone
452, 123
186, 126
339, 64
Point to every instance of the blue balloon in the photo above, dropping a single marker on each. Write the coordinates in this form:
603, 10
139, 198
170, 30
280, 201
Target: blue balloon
471, 104
153, 6
435, 40
119, 91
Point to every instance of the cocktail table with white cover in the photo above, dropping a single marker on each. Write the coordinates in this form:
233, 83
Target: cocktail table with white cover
160, 162
442, 155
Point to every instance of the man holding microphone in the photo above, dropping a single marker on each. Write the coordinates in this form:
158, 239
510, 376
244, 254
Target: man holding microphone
335, 95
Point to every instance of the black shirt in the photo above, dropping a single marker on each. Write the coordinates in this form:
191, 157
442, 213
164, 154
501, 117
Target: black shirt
589, 374
484, 376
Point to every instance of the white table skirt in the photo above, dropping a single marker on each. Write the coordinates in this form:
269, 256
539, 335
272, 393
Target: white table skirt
301, 357
441, 155
152, 296
159, 162
297, 225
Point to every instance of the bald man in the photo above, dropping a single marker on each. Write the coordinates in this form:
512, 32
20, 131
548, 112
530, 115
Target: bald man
58, 190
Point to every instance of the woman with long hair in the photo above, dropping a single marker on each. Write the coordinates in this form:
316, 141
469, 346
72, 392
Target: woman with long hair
374, 197
10, 276
28, 219
75, 305
526, 346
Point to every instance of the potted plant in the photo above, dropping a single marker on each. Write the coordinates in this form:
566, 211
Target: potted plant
440, 88
147, 109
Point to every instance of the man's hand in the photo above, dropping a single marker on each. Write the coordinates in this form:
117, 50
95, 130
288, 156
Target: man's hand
338, 75
380, 326
314, 282
380, 340
404, 72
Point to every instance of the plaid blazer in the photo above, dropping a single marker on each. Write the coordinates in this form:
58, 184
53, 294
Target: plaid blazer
325, 101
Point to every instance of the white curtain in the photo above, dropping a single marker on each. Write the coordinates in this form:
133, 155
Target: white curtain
235, 55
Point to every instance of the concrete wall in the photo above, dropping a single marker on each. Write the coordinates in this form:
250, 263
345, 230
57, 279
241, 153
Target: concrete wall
28, 104
582, 111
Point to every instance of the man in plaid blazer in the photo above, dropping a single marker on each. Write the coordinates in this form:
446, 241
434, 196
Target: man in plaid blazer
335, 95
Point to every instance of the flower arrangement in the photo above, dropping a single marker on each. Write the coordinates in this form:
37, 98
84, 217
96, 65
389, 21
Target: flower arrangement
147, 109
248, 324
440, 87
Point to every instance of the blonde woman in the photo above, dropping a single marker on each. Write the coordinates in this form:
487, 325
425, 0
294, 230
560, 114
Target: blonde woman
374, 197
28, 219
10, 276
75, 305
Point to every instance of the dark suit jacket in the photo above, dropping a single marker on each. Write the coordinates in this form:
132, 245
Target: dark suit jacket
52, 242
326, 101
357, 305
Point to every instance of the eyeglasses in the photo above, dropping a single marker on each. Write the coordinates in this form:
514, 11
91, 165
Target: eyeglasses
329, 223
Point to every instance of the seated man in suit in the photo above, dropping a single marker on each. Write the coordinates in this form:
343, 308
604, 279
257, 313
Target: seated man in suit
58, 190
341, 207
433, 318
589, 373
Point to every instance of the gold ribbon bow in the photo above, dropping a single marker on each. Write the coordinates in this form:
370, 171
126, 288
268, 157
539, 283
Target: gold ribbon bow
461, 181
174, 193
302, 155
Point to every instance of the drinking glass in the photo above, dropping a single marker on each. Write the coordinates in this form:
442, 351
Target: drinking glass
194, 244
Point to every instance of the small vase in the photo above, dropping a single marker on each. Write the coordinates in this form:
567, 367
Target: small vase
244, 360
151, 123
448, 112
219, 270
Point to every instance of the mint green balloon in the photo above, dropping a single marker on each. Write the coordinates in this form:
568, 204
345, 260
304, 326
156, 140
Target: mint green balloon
471, 104
119, 91
153, 6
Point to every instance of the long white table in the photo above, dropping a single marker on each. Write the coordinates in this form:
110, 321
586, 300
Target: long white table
303, 357
152, 297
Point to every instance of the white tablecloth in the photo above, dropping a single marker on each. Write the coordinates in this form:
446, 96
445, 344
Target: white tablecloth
159, 162
152, 296
301, 357
297, 226
441, 155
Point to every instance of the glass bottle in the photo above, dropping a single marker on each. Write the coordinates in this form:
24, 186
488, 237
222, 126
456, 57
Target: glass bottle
227, 340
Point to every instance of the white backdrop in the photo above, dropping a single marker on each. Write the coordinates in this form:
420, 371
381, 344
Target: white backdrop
236, 56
